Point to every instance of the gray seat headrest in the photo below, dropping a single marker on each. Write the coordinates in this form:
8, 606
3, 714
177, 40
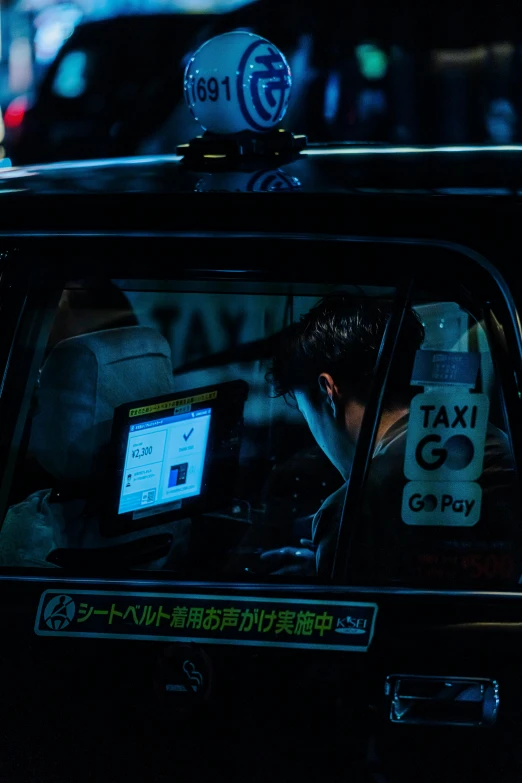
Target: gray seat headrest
81, 383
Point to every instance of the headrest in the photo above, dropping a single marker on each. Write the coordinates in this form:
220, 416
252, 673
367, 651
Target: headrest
81, 383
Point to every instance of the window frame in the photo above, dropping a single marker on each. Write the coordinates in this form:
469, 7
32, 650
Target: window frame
42, 264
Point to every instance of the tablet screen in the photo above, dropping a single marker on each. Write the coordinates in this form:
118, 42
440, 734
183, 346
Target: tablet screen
175, 454
164, 460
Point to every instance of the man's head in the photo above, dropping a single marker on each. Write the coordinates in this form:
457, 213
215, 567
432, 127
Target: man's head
326, 362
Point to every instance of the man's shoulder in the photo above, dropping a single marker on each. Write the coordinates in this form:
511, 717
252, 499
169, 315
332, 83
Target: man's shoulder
325, 527
497, 443
332, 506
334, 500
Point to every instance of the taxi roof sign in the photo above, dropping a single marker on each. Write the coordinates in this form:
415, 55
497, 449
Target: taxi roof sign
237, 82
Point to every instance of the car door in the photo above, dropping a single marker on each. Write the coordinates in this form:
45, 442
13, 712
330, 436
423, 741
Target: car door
164, 599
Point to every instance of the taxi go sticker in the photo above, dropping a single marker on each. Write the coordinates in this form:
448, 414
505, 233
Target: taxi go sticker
209, 619
444, 457
170, 404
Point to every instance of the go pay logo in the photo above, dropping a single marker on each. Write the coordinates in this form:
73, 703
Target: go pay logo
447, 503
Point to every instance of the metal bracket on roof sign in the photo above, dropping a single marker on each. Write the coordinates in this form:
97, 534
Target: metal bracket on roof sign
228, 151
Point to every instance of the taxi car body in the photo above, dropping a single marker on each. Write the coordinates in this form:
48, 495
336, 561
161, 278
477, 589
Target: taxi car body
146, 464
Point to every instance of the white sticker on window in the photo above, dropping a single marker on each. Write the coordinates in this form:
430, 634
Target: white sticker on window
446, 436
444, 458
445, 503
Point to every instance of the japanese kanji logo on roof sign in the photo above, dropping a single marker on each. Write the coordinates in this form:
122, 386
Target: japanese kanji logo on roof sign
209, 619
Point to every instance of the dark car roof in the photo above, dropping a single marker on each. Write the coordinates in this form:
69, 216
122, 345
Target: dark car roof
334, 168
454, 195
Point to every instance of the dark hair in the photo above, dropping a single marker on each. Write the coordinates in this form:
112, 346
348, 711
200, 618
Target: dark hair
342, 336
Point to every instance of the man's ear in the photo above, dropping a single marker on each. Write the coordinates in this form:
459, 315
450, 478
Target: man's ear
330, 391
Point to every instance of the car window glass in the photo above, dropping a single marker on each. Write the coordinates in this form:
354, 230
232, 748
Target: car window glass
120, 468
142, 341
446, 511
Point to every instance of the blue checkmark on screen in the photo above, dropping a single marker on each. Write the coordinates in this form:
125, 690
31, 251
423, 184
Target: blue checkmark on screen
187, 436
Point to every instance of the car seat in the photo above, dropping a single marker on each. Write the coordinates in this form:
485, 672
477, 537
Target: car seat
81, 383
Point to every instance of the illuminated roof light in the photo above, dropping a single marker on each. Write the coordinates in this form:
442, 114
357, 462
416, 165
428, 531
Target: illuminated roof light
237, 82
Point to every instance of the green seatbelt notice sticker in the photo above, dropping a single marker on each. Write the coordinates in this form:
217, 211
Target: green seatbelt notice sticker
209, 619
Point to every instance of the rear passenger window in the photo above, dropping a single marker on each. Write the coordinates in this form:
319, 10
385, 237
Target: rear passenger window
223, 430
155, 441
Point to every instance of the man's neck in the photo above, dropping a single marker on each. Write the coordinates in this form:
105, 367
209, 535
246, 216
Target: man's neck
388, 419
354, 413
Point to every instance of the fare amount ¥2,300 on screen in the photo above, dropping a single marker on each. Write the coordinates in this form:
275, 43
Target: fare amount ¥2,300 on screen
165, 461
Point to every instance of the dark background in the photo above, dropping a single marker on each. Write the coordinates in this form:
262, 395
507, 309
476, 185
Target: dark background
402, 73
